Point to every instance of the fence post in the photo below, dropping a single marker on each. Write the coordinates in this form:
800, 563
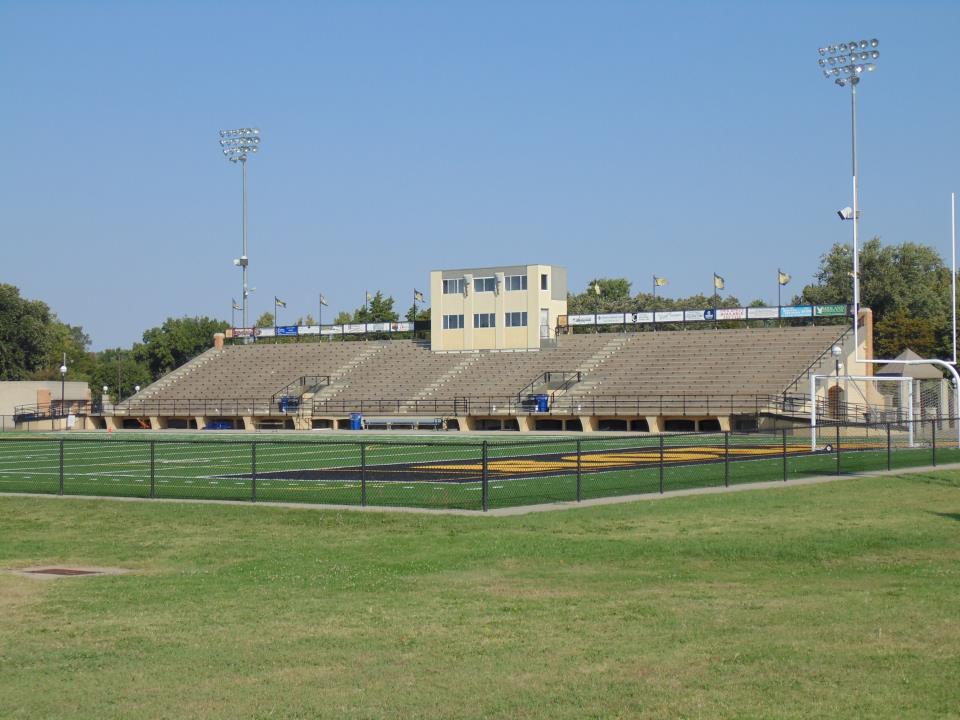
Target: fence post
726, 459
485, 483
661, 463
933, 438
253, 472
61, 466
838, 448
889, 466
363, 474
578, 469
153, 476
784, 454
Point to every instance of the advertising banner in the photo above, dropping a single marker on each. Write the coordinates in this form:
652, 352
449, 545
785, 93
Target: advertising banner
796, 311
610, 319
639, 317
378, 327
405, 326
331, 330
355, 328
830, 310
580, 319
698, 315
240, 332
286, 330
309, 329
731, 313
265, 332
668, 316
763, 313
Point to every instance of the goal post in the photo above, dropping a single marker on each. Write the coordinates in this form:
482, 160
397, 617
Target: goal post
870, 399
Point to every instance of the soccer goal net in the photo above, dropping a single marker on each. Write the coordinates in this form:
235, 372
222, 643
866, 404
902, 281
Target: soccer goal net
902, 402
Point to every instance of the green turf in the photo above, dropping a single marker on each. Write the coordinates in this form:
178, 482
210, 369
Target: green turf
827, 601
219, 467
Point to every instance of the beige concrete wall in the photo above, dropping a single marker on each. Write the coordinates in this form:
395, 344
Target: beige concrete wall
28, 392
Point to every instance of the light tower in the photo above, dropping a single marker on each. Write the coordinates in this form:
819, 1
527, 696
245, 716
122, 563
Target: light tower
845, 63
236, 145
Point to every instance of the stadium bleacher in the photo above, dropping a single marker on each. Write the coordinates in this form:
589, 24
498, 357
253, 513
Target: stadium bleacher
402, 377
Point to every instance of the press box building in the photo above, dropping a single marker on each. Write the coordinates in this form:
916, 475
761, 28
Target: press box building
511, 307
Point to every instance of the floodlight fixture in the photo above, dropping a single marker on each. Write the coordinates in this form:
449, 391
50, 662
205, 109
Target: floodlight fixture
846, 213
236, 144
846, 62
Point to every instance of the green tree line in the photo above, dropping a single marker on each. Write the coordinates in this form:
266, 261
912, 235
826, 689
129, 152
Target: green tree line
907, 286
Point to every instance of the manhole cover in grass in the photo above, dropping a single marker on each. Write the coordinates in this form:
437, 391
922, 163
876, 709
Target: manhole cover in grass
44, 572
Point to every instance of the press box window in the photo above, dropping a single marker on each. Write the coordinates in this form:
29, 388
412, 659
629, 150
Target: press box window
484, 284
516, 282
543, 281
454, 287
516, 319
484, 320
453, 322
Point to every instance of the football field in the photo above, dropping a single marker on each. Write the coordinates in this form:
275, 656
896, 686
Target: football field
430, 471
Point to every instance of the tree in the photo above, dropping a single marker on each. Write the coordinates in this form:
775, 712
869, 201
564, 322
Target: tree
343, 318
899, 330
119, 370
379, 309
175, 342
25, 334
265, 321
909, 278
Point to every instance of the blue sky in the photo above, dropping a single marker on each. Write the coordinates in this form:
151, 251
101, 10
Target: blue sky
614, 138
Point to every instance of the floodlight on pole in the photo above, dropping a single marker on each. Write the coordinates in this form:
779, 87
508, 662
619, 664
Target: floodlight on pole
237, 145
845, 63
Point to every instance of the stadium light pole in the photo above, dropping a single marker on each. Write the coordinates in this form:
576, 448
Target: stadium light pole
236, 145
63, 382
845, 64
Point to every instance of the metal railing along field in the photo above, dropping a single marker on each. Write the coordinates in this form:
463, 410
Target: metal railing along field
478, 474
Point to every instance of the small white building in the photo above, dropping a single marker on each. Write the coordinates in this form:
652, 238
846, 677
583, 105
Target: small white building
509, 307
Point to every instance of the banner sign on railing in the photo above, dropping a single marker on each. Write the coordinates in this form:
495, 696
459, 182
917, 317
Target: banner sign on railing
351, 328
731, 313
637, 318
830, 310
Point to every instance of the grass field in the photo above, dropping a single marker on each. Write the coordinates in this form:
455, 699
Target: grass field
826, 601
430, 470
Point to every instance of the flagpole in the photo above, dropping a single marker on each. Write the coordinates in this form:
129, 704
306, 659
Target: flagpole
414, 303
276, 311
654, 287
320, 317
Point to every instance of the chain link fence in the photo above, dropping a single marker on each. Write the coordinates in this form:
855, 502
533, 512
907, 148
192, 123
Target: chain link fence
474, 474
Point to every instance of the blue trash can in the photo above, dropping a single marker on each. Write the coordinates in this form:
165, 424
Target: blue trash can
542, 404
356, 421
